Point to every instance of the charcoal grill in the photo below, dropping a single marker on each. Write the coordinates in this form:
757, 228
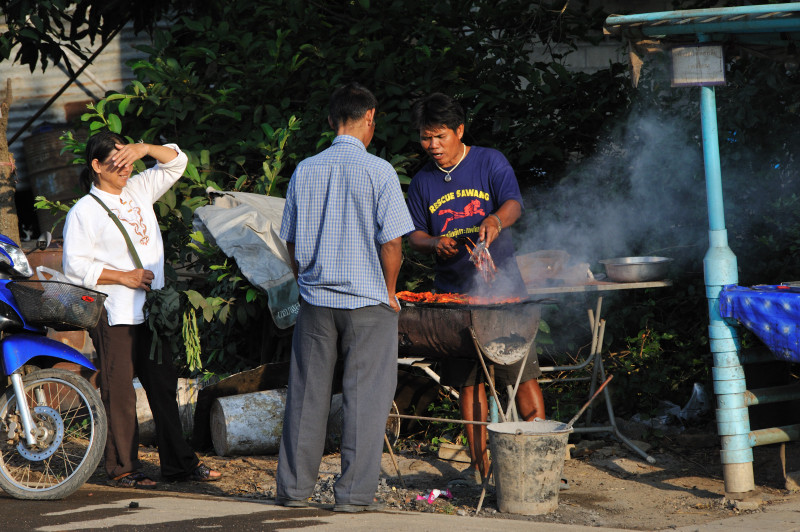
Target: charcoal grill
502, 332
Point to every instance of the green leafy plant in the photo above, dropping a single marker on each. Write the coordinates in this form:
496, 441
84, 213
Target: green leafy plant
438, 432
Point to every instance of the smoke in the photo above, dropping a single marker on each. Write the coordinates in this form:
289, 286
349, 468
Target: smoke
642, 193
503, 284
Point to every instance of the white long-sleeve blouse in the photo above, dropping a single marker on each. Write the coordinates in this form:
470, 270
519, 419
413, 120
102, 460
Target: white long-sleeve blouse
92, 241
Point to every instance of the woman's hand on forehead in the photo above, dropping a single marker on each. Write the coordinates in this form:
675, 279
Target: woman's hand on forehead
127, 154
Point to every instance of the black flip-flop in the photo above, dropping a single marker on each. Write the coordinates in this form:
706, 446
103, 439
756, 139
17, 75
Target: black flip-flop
134, 480
202, 473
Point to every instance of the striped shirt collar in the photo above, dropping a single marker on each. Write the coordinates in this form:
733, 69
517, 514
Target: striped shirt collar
349, 139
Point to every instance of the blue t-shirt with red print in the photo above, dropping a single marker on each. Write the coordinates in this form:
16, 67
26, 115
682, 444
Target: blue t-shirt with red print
480, 184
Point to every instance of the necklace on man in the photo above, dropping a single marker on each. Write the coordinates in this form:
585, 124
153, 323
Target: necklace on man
447, 177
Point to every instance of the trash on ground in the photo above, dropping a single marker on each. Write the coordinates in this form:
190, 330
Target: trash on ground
435, 494
670, 414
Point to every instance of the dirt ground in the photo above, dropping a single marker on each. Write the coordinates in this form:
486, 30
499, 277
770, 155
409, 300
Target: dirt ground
610, 485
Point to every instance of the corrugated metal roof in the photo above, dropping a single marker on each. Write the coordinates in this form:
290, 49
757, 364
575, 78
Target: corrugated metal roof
766, 18
770, 30
31, 90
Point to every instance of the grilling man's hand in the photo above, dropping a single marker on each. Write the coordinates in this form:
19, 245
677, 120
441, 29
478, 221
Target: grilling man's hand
446, 247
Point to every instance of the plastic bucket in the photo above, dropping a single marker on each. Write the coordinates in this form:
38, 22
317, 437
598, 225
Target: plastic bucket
528, 462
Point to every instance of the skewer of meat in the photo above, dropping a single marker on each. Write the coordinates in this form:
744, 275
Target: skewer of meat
482, 260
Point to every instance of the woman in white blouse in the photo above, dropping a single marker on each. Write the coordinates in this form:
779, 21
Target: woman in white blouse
97, 256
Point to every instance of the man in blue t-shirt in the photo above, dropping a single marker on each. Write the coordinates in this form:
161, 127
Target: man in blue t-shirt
469, 192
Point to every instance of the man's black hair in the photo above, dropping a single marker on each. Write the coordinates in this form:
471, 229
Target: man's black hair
436, 110
350, 102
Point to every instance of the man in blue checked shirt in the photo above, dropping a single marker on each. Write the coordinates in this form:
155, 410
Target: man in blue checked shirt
343, 222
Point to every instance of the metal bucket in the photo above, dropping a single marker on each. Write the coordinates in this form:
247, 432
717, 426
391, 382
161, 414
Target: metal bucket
505, 332
528, 462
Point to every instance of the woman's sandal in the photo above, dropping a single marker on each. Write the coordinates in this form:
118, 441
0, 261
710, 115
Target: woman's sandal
137, 479
203, 473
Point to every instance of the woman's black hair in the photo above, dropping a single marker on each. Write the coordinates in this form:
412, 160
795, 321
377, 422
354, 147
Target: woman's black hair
99, 146
436, 110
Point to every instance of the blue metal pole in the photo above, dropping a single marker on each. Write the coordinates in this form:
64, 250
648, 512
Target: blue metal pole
494, 411
719, 264
775, 435
752, 26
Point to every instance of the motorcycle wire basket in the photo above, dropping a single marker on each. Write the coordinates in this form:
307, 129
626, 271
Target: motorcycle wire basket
60, 306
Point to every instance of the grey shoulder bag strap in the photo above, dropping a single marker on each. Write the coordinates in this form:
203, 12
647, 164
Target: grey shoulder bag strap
116, 221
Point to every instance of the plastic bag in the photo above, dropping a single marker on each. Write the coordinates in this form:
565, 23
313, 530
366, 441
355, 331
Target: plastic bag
55, 275
51, 292
697, 405
666, 414
435, 494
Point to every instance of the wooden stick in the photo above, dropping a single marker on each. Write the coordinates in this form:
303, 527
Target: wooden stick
439, 419
394, 461
483, 490
512, 405
585, 406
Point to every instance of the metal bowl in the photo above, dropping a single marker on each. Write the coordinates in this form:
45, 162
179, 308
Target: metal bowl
636, 269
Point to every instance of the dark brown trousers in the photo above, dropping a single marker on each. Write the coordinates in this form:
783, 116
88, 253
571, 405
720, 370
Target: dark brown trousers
124, 352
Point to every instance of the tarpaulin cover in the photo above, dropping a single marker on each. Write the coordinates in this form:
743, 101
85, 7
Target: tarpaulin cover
771, 313
245, 226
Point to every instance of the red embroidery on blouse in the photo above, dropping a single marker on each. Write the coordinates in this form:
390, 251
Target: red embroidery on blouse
132, 215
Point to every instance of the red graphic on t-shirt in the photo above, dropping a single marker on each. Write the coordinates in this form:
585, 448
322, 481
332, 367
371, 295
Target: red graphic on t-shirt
472, 208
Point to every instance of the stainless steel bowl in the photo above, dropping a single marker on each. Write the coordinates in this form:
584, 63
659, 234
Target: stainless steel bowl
636, 269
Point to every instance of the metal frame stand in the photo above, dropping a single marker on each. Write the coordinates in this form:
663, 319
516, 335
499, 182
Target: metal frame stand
598, 327
510, 411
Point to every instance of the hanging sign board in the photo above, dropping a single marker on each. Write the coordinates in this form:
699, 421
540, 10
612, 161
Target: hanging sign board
697, 65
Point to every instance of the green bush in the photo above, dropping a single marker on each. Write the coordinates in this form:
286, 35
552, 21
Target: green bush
243, 88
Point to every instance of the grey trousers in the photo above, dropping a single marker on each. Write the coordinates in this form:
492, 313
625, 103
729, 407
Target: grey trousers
366, 340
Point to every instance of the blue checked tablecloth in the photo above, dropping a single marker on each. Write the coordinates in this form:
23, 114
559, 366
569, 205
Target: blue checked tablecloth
770, 312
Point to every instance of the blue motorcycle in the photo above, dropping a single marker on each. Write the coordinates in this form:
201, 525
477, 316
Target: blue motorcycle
52, 421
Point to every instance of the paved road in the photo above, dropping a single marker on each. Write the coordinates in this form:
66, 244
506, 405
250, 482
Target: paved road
95, 508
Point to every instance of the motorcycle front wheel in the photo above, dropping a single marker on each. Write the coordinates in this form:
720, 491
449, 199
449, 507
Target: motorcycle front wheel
70, 426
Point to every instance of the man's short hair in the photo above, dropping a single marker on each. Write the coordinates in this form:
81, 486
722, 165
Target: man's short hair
435, 110
350, 102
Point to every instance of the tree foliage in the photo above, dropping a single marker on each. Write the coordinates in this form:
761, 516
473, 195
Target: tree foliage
245, 64
39, 32
243, 88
